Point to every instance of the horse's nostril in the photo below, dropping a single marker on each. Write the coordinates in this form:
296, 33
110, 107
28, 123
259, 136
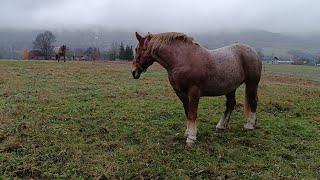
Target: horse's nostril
133, 73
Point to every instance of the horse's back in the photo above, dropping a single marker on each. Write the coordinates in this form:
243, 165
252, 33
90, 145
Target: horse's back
239, 58
229, 67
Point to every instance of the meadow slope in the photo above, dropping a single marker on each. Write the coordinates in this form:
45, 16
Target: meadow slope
93, 120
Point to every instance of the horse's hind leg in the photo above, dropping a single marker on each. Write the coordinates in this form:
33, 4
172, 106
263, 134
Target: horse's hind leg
251, 102
230, 104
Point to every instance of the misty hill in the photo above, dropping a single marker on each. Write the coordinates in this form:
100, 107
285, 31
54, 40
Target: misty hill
270, 43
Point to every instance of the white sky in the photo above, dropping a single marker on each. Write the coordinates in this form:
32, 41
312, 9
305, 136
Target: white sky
163, 15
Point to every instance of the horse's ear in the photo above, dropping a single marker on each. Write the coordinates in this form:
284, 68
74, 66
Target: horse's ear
139, 37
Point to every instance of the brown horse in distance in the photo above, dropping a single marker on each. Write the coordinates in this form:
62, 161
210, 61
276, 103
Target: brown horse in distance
60, 51
194, 71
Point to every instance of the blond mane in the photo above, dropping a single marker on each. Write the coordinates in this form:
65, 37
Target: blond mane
157, 41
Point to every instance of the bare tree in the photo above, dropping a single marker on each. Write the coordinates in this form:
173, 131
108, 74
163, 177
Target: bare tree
44, 43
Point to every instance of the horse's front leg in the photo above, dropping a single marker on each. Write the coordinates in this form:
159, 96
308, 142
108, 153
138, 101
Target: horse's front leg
185, 101
193, 95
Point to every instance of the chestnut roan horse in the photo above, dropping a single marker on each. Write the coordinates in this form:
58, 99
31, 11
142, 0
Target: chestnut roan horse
60, 51
195, 71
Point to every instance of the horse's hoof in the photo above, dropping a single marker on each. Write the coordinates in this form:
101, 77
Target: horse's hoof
248, 126
190, 142
220, 128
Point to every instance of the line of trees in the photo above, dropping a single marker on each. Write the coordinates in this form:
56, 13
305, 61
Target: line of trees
119, 52
125, 53
44, 43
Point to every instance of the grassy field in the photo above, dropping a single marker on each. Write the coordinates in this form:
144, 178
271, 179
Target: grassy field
85, 120
294, 71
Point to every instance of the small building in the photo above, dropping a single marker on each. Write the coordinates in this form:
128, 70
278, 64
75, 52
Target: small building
277, 60
285, 62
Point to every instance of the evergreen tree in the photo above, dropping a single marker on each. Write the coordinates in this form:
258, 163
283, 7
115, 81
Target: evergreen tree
129, 53
113, 52
122, 52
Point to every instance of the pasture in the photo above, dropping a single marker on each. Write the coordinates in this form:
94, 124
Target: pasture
93, 120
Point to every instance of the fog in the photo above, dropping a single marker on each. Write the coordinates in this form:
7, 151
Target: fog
162, 15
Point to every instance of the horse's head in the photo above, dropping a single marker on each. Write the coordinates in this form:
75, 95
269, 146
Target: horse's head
142, 58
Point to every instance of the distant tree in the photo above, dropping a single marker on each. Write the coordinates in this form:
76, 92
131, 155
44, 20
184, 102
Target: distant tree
44, 43
25, 54
129, 53
96, 54
113, 51
122, 52
78, 53
302, 57
92, 53
0, 56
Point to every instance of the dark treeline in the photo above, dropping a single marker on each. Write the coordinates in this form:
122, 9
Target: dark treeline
115, 52
43, 46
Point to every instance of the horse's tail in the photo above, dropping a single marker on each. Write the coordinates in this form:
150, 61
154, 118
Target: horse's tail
246, 106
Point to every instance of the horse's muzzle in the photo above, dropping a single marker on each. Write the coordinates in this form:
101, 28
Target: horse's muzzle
135, 74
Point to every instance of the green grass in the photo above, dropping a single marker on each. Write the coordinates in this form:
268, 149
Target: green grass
84, 120
294, 71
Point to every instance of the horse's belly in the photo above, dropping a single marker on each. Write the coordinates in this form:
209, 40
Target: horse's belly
220, 88
218, 91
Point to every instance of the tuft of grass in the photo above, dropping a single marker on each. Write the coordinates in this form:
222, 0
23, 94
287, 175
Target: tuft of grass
92, 120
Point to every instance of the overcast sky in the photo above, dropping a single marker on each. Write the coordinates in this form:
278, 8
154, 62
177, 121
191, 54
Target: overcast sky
163, 15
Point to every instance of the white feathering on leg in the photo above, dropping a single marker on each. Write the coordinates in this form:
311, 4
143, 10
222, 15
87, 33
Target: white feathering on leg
192, 133
251, 121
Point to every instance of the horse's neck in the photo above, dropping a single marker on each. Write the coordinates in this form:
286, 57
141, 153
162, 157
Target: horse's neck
171, 56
